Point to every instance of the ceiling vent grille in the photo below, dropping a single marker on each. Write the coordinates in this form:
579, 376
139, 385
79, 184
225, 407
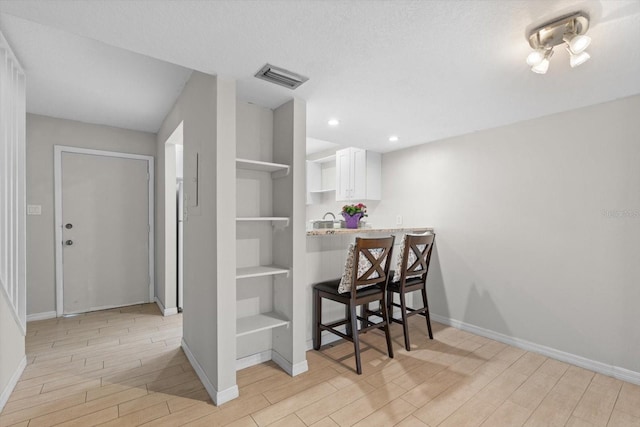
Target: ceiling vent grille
280, 76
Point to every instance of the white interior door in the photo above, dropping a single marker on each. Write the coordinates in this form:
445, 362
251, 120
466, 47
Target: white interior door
105, 231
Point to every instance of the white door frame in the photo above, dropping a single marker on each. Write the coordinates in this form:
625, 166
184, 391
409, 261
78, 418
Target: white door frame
57, 169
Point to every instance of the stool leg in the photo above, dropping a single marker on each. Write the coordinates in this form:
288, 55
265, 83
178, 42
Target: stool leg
426, 313
347, 315
390, 305
364, 308
387, 331
317, 319
356, 340
405, 323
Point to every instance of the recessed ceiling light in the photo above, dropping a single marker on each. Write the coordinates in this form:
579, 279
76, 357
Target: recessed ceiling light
334, 122
393, 138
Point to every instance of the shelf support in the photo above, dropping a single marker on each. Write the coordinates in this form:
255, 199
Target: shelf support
281, 224
281, 173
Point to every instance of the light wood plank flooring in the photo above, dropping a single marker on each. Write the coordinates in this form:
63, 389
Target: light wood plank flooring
124, 367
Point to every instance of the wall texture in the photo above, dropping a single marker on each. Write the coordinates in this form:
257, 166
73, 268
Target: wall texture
42, 134
537, 227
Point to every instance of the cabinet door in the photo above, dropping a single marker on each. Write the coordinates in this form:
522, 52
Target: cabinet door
343, 174
358, 174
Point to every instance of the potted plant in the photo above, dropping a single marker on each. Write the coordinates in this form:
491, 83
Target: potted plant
353, 213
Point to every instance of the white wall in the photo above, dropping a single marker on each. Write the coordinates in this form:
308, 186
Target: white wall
42, 134
207, 106
11, 350
537, 228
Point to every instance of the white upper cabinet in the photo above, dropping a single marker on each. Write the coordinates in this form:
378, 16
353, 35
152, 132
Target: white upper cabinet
358, 175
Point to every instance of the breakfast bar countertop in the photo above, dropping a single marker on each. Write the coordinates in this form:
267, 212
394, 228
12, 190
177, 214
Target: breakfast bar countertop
333, 231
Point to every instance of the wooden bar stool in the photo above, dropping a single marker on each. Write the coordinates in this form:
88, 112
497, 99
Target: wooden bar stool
411, 275
364, 281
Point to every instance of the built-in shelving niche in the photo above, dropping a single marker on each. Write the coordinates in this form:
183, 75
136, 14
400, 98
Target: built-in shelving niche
264, 269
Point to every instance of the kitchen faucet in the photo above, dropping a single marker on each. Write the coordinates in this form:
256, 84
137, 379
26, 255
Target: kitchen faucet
329, 213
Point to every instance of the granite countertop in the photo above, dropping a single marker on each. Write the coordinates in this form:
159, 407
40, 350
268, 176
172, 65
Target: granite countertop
332, 231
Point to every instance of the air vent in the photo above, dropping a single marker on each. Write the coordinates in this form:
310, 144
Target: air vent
280, 76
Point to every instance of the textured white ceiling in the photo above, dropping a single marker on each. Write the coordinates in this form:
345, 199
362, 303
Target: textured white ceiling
422, 70
317, 146
72, 77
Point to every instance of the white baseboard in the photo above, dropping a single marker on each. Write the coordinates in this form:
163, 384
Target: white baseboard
166, 311
4, 397
583, 362
252, 360
265, 356
326, 338
218, 397
41, 316
289, 368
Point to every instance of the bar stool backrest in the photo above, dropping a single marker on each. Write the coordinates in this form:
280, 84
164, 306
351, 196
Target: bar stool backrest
372, 261
416, 256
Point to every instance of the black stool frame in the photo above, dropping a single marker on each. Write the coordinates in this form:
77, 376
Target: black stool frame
365, 289
412, 283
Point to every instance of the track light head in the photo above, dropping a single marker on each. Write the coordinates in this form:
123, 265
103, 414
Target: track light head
577, 43
579, 59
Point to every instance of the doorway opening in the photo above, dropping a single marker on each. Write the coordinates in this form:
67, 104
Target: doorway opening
174, 215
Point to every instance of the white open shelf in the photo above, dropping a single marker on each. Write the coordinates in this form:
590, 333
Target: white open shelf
331, 158
260, 270
324, 190
259, 322
277, 170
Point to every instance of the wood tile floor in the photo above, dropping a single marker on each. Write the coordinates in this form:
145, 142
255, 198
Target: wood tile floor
124, 367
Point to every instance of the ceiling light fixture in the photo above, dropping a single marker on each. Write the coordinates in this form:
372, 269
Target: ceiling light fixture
393, 138
333, 122
568, 29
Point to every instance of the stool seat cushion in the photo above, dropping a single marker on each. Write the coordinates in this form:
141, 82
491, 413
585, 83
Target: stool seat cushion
331, 286
395, 286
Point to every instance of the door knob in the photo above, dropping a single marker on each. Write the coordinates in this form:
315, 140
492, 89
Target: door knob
68, 226
68, 242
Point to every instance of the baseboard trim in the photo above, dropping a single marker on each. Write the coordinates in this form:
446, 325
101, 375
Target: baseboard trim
583, 362
326, 338
41, 316
265, 356
165, 311
4, 397
287, 366
218, 397
252, 360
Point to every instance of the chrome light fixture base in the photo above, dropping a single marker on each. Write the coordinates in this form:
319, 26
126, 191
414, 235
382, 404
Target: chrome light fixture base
552, 33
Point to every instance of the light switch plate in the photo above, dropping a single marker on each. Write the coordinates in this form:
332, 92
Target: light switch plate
34, 210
